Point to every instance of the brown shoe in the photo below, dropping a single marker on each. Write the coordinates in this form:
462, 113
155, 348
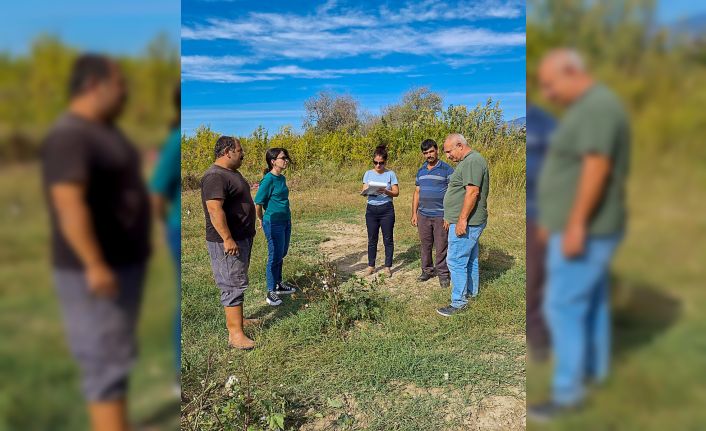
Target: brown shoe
388, 271
370, 270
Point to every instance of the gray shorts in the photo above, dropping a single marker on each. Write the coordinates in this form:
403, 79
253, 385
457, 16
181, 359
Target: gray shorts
101, 331
231, 272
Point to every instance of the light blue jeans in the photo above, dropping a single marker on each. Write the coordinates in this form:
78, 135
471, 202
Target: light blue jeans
576, 307
462, 260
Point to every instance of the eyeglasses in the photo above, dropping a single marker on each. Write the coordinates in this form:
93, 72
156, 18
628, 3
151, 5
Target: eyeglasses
283, 158
378, 163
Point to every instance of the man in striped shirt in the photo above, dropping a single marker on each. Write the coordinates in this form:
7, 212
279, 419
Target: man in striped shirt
428, 213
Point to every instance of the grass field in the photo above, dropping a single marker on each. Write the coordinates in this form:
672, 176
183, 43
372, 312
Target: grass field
39, 389
657, 379
408, 370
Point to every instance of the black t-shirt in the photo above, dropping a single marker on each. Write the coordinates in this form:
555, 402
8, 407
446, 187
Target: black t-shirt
234, 190
99, 156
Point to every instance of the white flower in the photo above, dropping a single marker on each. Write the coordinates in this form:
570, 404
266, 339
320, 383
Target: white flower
230, 382
446, 376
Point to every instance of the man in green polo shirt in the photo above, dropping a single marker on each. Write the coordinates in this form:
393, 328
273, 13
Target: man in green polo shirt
466, 211
582, 212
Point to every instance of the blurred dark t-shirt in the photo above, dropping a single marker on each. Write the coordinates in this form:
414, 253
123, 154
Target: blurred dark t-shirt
77, 150
540, 124
234, 190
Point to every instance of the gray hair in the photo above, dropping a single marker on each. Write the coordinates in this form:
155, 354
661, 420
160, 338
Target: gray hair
566, 58
457, 137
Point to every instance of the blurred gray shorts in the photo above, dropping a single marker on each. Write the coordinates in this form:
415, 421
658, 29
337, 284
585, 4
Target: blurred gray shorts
231, 272
100, 331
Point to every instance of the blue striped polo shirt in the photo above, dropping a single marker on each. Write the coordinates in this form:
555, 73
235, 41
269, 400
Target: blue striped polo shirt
432, 187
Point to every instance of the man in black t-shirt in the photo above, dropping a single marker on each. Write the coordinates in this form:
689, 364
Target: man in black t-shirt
100, 222
230, 228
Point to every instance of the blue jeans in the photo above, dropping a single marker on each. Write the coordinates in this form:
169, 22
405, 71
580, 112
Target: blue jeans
278, 234
576, 308
174, 242
462, 259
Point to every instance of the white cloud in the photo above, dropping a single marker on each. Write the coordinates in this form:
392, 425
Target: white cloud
334, 31
215, 69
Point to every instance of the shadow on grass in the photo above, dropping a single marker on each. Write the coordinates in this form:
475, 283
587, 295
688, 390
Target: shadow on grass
494, 262
642, 312
291, 304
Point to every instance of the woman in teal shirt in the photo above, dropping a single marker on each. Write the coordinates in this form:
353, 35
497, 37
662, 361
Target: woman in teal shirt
272, 203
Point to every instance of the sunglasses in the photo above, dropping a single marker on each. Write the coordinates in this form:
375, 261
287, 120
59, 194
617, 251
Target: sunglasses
378, 163
283, 158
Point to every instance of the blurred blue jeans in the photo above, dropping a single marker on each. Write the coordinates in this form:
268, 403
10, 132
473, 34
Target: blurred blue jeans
173, 234
462, 260
278, 234
576, 307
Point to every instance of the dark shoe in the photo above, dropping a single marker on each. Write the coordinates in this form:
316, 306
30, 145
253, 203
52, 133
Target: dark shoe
284, 289
539, 354
449, 311
549, 411
424, 276
444, 283
273, 299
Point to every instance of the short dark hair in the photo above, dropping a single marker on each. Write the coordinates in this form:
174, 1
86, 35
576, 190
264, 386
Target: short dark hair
428, 143
224, 144
87, 68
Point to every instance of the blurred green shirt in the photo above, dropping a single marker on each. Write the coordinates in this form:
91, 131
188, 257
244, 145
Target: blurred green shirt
166, 179
595, 124
273, 195
472, 170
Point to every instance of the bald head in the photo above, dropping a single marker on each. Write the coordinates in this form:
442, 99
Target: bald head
456, 147
563, 77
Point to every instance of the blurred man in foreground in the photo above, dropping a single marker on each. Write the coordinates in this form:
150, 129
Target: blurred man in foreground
582, 214
100, 222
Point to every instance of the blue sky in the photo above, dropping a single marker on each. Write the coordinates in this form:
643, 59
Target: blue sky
115, 27
246, 64
670, 11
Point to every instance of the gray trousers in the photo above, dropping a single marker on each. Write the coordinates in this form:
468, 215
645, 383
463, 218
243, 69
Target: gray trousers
231, 272
101, 332
432, 234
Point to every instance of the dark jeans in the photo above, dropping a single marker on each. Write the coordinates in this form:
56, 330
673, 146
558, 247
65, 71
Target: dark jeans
537, 333
380, 217
432, 234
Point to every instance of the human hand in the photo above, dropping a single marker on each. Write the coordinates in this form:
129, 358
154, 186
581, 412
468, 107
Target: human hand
101, 280
230, 247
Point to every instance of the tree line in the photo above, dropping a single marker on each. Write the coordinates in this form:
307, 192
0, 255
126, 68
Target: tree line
34, 91
336, 136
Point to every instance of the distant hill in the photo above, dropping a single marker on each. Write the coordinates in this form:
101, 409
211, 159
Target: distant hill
693, 27
517, 122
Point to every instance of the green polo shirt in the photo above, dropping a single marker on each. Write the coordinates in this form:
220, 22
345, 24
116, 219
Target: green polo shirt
472, 170
595, 124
